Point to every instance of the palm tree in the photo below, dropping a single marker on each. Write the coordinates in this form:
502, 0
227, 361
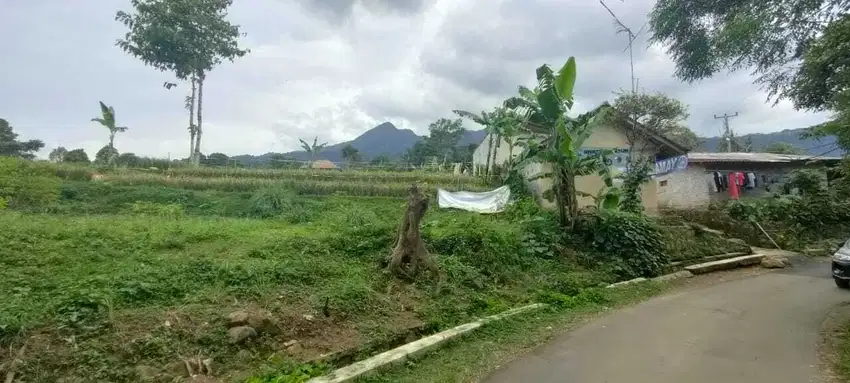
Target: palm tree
547, 111
107, 119
312, 149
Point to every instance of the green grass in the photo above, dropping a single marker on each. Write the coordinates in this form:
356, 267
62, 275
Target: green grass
684, 244
841, 363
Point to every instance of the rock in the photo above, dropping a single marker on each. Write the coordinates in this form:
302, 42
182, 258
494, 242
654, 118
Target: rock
240, 334
147, 373
290, 343
292, 347
309, 317
263, 325
237, 318
775, 262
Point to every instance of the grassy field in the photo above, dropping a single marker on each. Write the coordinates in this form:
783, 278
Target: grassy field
135, 276
116, 279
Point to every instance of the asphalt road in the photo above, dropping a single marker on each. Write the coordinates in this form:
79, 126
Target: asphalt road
759, 329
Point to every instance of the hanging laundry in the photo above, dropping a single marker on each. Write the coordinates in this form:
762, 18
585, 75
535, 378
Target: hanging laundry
718, 182
751, 177
740, 179
733, 186
725, 182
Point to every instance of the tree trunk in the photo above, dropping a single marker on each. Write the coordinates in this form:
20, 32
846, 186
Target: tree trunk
560, 195
495, 151
409, 252
199, 129
573, 200
192, 119
489, 151
112, 140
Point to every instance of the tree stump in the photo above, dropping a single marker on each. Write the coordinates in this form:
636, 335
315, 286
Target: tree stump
409, 253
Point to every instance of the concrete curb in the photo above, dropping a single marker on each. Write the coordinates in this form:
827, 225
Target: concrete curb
725, 264
663, 278
413, 349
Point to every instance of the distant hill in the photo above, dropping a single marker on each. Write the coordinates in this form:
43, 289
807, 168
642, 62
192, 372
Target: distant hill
791, 136
384, 139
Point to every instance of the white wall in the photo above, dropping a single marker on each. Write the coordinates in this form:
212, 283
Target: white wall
690, 188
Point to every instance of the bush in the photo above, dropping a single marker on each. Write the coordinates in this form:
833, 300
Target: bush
271, 202
25, 184
630, 244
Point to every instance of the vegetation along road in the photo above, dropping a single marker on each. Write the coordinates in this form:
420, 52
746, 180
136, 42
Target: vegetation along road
764, 328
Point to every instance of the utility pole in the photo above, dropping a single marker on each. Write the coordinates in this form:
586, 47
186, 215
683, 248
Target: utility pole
727, 133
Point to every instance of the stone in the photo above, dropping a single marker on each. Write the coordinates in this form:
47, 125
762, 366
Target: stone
290, 343
775, 262
237, 318
309, 317
240, 334
263, 325
147, 373
244, 356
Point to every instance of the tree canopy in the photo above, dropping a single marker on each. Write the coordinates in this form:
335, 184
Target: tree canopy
782, 148
659, 113
10, 146
708, 36
76, 156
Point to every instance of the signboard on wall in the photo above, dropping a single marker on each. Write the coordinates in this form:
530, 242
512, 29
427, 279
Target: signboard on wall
670, 165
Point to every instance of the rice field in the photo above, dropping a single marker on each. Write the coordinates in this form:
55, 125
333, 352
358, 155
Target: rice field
302, 181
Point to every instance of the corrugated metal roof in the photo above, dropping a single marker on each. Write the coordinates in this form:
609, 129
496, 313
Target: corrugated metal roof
754, 157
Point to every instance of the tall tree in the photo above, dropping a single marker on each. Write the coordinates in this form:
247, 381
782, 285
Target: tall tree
58, 154
548, 112
782, 148
660, 114
768, 37
10, 146
313, 149
107, 120
187, 37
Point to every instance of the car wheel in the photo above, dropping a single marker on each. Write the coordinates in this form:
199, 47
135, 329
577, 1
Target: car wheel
842, 283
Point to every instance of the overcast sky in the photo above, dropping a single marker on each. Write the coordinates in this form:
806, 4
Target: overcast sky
335, 68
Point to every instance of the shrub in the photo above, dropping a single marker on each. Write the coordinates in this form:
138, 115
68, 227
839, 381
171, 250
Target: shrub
25, 184
630, 244
272, 201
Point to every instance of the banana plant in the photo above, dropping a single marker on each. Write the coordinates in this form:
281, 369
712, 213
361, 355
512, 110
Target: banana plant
544, 110
313, 149
107, 120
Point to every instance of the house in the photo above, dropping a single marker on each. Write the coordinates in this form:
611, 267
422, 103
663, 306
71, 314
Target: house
694, 185
323, 164
618, 134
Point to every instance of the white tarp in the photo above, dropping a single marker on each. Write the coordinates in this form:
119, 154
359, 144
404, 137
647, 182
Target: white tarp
493, 201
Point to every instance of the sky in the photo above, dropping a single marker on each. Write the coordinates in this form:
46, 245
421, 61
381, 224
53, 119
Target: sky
336, 68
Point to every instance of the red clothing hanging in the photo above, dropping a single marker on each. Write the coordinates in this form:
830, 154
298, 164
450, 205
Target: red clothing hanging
733, 185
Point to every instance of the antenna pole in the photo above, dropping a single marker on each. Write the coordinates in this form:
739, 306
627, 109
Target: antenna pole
727, 132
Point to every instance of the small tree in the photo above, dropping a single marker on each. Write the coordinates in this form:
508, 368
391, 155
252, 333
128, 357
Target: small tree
106, 155
78, 156
350, 154
58, 154
566, 135
658, 113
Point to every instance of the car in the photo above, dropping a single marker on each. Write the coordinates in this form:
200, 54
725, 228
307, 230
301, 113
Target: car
841, 266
